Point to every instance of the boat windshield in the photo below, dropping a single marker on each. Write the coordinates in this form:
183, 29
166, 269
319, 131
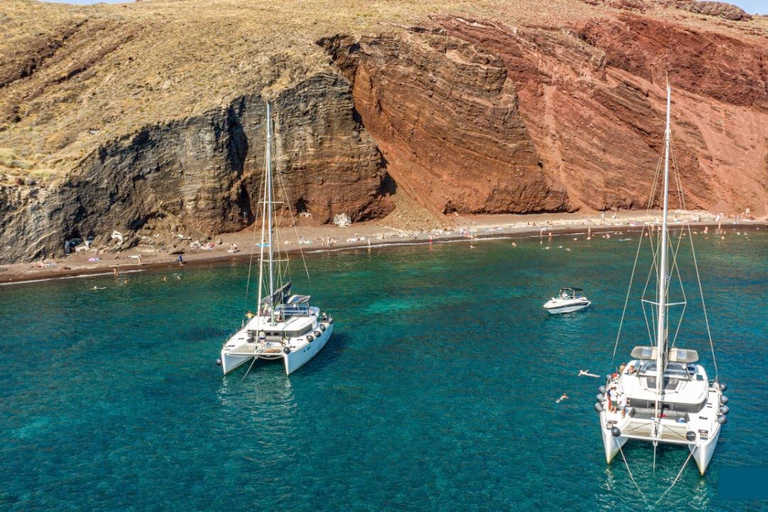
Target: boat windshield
674, 370
569, 293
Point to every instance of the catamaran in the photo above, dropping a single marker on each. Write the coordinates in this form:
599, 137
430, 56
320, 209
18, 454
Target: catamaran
661, 395
285, 327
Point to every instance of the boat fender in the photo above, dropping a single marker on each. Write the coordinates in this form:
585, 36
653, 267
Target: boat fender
723, 387
723, 409
330, 321
322, 327
218, 362
615, 432
607, 377
722, 420
287, 350
602, 389
723, 399
600, 397
310, 338
318, 334
599, 407
690, 435
631, 412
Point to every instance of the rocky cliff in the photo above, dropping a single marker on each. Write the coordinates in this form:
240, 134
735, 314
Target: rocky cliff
149, 121
202, 175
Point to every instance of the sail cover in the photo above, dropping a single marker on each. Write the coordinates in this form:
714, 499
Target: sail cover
279, 296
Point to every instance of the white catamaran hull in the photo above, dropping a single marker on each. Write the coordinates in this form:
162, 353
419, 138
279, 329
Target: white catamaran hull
703, 428
703, 450
237, 352
296, 359
241, 349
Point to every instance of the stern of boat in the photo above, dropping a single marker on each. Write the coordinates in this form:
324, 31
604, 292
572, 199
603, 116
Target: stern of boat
611, 443
298, 357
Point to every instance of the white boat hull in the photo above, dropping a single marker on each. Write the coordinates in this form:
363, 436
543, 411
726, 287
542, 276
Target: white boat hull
703, 425
231, 362
557, 307
298, 358
242, 349
703, 451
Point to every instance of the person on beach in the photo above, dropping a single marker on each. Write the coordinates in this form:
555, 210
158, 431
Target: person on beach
181, 260
115, 272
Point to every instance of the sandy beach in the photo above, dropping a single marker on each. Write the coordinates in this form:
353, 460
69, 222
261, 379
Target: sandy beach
376, 235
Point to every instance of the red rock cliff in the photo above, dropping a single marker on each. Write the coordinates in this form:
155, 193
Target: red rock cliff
479, 116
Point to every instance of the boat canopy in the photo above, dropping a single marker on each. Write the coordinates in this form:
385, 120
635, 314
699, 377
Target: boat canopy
676, 355
683, 355
647, 353
279, 296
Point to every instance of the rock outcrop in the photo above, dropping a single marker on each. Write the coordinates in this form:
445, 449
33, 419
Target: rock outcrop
521, 119
202, 175
447, 120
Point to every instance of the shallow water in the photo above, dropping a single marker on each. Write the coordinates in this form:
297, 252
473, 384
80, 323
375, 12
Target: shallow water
436, 392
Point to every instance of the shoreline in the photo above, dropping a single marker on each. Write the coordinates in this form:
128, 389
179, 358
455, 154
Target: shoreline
233, 248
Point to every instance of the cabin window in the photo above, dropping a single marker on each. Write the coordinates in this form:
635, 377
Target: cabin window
299, 332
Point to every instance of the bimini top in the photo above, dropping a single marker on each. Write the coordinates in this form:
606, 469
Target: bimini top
676, 355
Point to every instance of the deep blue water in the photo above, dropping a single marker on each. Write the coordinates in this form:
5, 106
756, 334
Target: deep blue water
436, 392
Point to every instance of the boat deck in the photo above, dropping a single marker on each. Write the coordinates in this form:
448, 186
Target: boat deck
670, 432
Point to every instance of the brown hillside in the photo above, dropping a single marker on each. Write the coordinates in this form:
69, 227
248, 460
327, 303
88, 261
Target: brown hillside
147, 117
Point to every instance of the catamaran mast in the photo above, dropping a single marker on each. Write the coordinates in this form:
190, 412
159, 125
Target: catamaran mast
269, 209
661, 338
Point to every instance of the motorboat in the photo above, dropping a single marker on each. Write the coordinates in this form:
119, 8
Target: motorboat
567, 300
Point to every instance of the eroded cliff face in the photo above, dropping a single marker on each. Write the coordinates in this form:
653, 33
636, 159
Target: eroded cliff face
202, 175
548, 119
462, 115
448, 122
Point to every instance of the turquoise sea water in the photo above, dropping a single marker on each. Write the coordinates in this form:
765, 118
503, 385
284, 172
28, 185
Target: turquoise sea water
436, 392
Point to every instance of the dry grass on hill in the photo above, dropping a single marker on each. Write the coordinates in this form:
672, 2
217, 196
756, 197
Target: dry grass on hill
100, 72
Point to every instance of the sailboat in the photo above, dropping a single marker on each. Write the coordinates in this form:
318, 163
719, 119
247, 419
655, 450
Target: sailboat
285, 327
662, 396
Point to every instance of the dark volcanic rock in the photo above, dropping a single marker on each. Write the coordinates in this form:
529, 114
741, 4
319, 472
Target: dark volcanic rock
202, 175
